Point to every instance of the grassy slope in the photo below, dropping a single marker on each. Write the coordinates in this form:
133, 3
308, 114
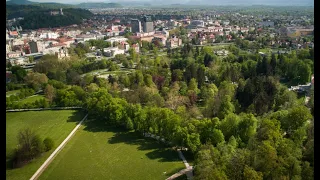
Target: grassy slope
54, 124
14, 92
32, 99
98, 152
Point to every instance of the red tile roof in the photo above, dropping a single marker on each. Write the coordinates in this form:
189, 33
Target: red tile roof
58, 44
13, 33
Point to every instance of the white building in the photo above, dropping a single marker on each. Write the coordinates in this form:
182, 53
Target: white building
15, 54
112, 51
8, 48
117, 39
49, 35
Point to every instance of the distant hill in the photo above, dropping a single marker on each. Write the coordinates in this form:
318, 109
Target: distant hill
98, 5
33, 14
20, 2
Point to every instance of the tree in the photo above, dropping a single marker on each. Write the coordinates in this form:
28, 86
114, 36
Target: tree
36, 80
124, 79
237, 164
273, 64
250, 174
48, 144
201, 76
19, 72
247, 127
193, 86
193, 141
30, 146
266, 159
269, 130
226, 107
229, 125
49, 92
31, 59
217, 137
296, 118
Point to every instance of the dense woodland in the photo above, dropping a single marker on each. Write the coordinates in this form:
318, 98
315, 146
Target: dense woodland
234, 114
34, 14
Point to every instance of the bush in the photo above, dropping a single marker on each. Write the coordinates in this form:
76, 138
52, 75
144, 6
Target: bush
30, 146
48, 144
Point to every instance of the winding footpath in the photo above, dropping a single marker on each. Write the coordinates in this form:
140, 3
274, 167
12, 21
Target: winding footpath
188, 171
59, 148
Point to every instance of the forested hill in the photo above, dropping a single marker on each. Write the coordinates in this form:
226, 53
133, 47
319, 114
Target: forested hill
35, 14
20, 2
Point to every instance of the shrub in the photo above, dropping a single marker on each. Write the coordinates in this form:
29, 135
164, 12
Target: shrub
30, 146
48, 144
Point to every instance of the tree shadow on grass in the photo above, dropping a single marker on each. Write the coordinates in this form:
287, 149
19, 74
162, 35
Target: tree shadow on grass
76, 116
158, 150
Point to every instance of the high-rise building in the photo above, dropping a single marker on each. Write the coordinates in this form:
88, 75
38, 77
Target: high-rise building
135, 26
33, 47
147, 24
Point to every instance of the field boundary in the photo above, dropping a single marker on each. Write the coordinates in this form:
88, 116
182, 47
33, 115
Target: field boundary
56, 151
41, 109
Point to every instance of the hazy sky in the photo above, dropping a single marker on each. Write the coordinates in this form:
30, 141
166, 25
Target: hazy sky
217, 2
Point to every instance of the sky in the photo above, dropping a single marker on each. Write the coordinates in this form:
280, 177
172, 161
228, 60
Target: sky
216, 2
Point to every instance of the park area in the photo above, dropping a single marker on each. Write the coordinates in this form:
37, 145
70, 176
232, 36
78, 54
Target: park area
56, 124
97, 151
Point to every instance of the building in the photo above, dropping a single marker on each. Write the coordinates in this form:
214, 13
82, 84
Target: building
49, 35
112, 51
33, 47
267, 23
63, 53
173, 42
54, 13
147, 24
197, 23
15, 54
117, 39
135, 26
85, 37
8, 48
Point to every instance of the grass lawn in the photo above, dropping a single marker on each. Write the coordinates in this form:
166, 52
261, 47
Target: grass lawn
56, 124
32, 99
14, 92
265, 50
100, 152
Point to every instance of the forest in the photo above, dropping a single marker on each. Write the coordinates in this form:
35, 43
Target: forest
33, 14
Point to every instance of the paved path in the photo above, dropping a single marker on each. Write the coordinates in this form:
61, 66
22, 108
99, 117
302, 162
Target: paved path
51, 157
180, 173
183, 159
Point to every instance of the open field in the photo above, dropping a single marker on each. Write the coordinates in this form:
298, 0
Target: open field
100, 152
56, 124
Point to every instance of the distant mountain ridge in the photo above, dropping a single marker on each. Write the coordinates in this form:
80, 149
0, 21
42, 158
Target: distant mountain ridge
133, 3
98, 5
20, 2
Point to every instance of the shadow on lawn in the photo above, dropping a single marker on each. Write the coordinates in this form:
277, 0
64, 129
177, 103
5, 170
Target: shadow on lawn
158, 149
76, 116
